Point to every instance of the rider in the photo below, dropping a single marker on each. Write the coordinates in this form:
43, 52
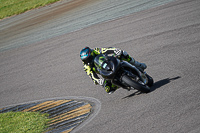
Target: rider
87, 56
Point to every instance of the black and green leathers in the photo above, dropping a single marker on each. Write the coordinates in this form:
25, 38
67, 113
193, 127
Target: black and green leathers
92, 72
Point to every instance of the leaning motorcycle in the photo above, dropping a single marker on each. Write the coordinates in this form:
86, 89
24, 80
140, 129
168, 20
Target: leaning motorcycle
122, 73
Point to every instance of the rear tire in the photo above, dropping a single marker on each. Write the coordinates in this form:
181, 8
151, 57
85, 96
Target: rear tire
130, 82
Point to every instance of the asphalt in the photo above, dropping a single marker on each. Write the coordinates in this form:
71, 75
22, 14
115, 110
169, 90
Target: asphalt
166, 37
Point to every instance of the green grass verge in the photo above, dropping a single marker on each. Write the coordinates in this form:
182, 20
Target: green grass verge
14, 7
23, 122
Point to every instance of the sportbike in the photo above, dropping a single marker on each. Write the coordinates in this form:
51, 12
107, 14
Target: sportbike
122, 73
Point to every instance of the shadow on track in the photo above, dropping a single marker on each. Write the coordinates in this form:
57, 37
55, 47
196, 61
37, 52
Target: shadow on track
163, 82
155, 86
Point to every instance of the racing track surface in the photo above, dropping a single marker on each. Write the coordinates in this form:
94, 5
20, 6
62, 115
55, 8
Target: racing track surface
166, 38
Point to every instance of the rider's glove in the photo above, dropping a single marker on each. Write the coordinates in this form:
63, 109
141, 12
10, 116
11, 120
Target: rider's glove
118, 52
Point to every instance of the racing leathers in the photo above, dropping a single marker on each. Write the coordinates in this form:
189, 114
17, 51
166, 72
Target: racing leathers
92, 72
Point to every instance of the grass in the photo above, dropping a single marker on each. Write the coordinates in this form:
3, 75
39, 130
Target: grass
23, 122
14, 7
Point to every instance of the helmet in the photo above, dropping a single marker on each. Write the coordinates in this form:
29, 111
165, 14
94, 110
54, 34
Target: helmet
87, 55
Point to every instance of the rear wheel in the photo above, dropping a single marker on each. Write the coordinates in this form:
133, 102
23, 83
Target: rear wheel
132, 83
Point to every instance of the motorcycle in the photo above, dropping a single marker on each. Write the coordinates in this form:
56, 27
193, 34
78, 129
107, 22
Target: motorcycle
122, 73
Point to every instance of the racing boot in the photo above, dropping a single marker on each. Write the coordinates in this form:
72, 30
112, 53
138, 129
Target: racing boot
125, 56
139, 65
109, 87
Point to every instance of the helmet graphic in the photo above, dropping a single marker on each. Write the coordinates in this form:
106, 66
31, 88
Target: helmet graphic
86, 55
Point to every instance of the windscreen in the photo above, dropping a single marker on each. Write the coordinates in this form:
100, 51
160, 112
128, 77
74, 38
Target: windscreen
99, 60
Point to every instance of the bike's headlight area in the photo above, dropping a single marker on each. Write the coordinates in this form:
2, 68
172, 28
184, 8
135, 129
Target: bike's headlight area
106, 66
107, 70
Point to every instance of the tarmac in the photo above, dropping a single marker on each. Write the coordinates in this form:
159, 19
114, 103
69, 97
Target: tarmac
39, 59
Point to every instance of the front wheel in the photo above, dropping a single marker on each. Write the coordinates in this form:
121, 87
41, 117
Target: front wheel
132, 83
150, 80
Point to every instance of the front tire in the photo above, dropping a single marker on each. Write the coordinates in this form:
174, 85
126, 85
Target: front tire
132, 83
150, 80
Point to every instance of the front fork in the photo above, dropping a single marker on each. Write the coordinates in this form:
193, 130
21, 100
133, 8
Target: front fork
144, 77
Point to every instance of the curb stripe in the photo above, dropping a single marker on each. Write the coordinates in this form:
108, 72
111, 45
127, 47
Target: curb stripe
37, 106
77, 112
